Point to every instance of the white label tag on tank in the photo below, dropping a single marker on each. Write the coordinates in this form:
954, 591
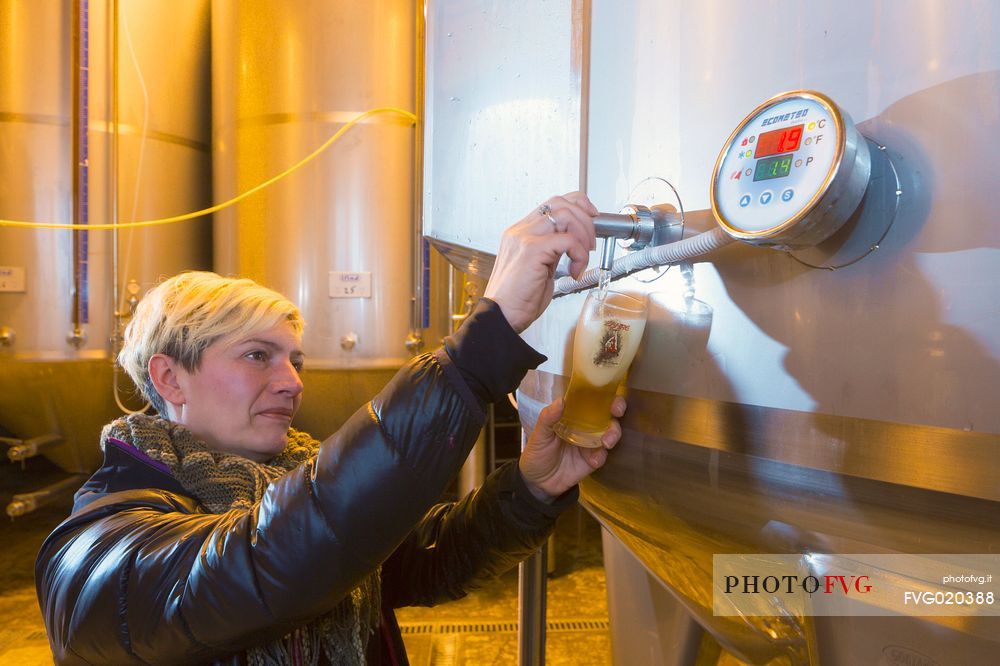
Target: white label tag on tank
350, 285
11, 278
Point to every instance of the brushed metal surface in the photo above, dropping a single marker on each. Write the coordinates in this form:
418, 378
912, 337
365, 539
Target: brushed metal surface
906, 335
164, 169
286, 76
938, 459
909, 334
163, 164
164, 131
692, 478
503, 113
851, 409
465, 259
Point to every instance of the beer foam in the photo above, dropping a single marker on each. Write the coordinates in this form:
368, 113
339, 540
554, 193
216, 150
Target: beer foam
593, 342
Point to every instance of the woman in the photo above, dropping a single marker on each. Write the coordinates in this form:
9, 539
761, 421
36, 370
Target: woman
214, 532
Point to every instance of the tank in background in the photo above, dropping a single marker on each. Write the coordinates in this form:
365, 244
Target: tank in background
337, 235
49, 385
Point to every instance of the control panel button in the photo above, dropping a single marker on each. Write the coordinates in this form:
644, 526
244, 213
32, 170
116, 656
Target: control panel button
744, 201
765, 197
787, 194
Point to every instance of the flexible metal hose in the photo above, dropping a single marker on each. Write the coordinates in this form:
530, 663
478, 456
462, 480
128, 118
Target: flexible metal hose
661, 255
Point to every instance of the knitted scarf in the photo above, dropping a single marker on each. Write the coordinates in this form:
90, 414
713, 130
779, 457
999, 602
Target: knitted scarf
224, 481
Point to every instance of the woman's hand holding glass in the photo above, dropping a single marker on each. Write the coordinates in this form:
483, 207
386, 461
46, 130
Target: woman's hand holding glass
551, 466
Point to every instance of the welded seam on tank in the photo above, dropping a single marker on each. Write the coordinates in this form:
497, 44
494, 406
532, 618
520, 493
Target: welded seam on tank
337, 117
951, 460
101, 127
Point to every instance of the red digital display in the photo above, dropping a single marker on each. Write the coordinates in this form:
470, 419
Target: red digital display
778, 141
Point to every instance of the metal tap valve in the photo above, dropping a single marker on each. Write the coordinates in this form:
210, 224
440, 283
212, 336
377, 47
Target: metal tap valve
644, 226
414, 342
77, 337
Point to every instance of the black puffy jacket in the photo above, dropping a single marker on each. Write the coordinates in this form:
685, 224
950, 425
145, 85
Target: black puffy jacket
140, 573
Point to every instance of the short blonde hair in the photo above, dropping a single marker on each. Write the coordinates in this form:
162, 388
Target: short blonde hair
183, 315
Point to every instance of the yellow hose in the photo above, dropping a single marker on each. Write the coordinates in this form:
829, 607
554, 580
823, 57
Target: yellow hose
224, 204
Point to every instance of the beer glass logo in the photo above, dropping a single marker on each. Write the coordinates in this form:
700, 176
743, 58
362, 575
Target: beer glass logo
607, 335
609, 352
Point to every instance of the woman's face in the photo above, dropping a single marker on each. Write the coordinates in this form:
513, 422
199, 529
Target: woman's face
243, 396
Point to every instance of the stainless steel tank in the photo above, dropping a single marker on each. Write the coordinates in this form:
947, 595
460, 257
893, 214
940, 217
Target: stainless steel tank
335, 236
47, 383
807, 411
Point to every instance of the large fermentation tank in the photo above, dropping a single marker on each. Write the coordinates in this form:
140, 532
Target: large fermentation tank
503, 116
48, 384
287, 76
808, 410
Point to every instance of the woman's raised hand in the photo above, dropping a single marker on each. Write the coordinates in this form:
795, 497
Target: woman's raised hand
523, 276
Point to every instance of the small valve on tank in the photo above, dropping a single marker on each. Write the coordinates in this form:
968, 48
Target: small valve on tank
77, 337
349, 341
642, 225
414, 342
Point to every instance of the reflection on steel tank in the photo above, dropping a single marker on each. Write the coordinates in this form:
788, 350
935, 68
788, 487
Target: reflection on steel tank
53, 382
675, 347
336, 236
815, 411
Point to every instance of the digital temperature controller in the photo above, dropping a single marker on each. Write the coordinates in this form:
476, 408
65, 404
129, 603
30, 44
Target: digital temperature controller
788, 155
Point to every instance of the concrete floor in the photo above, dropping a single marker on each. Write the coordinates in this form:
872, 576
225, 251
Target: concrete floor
482, 627
479, 629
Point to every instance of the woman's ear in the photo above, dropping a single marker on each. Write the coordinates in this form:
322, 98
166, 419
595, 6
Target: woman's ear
163, 373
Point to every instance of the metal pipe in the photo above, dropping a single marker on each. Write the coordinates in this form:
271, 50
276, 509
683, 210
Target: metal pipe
119, 312
634, 222
27, 502
113, 183
29, 448
654, 225
451, 299
531, 591
75, 123
473, 472
616, 225
415, 341
608, 245
80, 76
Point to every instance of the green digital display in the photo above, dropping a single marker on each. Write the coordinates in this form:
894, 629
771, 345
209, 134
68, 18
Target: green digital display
772, 167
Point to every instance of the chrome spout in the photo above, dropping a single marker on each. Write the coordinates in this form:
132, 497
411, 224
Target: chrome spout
642, 225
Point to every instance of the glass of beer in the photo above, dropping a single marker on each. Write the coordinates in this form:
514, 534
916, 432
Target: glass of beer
606, 339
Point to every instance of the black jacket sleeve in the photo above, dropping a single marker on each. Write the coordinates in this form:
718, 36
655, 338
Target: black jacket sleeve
140, 576
458, 547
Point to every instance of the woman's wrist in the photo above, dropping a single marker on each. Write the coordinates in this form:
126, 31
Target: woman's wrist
536, 490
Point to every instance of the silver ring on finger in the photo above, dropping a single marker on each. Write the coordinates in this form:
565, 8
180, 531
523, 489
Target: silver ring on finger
546, 211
